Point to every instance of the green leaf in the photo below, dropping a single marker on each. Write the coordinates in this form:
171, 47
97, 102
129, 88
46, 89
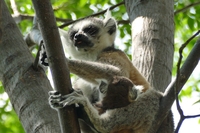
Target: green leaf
82, 3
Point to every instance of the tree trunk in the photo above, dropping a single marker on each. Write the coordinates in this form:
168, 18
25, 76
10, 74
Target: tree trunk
152, 42
153, 39
27, 88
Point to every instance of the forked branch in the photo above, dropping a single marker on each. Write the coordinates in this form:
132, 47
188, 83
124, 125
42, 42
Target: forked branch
182, 116
185, 72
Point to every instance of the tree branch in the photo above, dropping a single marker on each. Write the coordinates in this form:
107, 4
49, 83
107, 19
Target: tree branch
93, 15
19, 17
186, 7
169, 95
59, 69
182, 116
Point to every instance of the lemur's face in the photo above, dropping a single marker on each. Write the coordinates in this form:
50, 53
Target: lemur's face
92, 33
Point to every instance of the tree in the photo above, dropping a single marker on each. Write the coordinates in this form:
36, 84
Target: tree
152, 40
27, 83
20, 61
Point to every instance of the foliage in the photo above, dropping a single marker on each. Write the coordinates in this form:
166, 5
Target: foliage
186, 23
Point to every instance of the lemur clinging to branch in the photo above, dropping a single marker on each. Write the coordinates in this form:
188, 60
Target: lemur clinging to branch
90, 43
102, 69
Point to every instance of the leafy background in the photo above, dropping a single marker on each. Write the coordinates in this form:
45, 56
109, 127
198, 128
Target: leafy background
187, 22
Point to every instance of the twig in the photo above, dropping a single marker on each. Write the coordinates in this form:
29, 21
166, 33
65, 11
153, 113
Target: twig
14, 8
123, 22
180, 60
93, 15
192, 116
30, 17
36, 62
186, 7
182, 119
19, 17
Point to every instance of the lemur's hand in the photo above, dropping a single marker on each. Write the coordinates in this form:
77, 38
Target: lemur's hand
56, 100
43, 56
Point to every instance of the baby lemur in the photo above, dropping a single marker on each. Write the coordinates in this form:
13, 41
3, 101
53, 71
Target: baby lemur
115, 96
120, 92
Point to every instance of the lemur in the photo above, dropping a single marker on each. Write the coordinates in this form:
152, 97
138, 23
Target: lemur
102, 69
90, 43
120, 92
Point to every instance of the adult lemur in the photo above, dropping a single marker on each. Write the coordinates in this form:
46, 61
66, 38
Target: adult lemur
106, 75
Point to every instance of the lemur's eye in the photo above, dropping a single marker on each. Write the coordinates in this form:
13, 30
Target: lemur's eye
92, 30
72, 34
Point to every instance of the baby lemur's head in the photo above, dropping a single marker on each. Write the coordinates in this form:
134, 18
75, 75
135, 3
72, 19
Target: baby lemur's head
88, 37
120, 92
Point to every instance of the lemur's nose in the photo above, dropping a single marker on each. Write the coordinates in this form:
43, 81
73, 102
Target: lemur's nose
78, 36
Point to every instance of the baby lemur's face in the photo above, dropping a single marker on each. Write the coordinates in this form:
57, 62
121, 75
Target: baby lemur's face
120, 92
92, 33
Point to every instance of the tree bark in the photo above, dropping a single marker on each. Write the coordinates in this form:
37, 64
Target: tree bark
56, 58
152, 42
152, 39
27, 88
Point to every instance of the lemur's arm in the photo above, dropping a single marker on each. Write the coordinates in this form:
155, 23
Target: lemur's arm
93, 70
109, 64
57, 101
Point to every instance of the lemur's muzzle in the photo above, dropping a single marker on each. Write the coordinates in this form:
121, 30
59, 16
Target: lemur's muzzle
82, 41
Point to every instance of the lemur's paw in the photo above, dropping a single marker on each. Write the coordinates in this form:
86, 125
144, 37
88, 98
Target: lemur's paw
75, 97
43, 56
56, 100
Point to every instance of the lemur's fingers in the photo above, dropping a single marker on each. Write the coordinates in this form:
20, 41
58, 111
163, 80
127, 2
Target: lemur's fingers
74, 99
55, 96
69, 101
54, 93
56, 100
43, 56
76, 93
56, 105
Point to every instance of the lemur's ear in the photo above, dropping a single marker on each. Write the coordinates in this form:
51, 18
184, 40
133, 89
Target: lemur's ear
103, 87
109, 23
64, 36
